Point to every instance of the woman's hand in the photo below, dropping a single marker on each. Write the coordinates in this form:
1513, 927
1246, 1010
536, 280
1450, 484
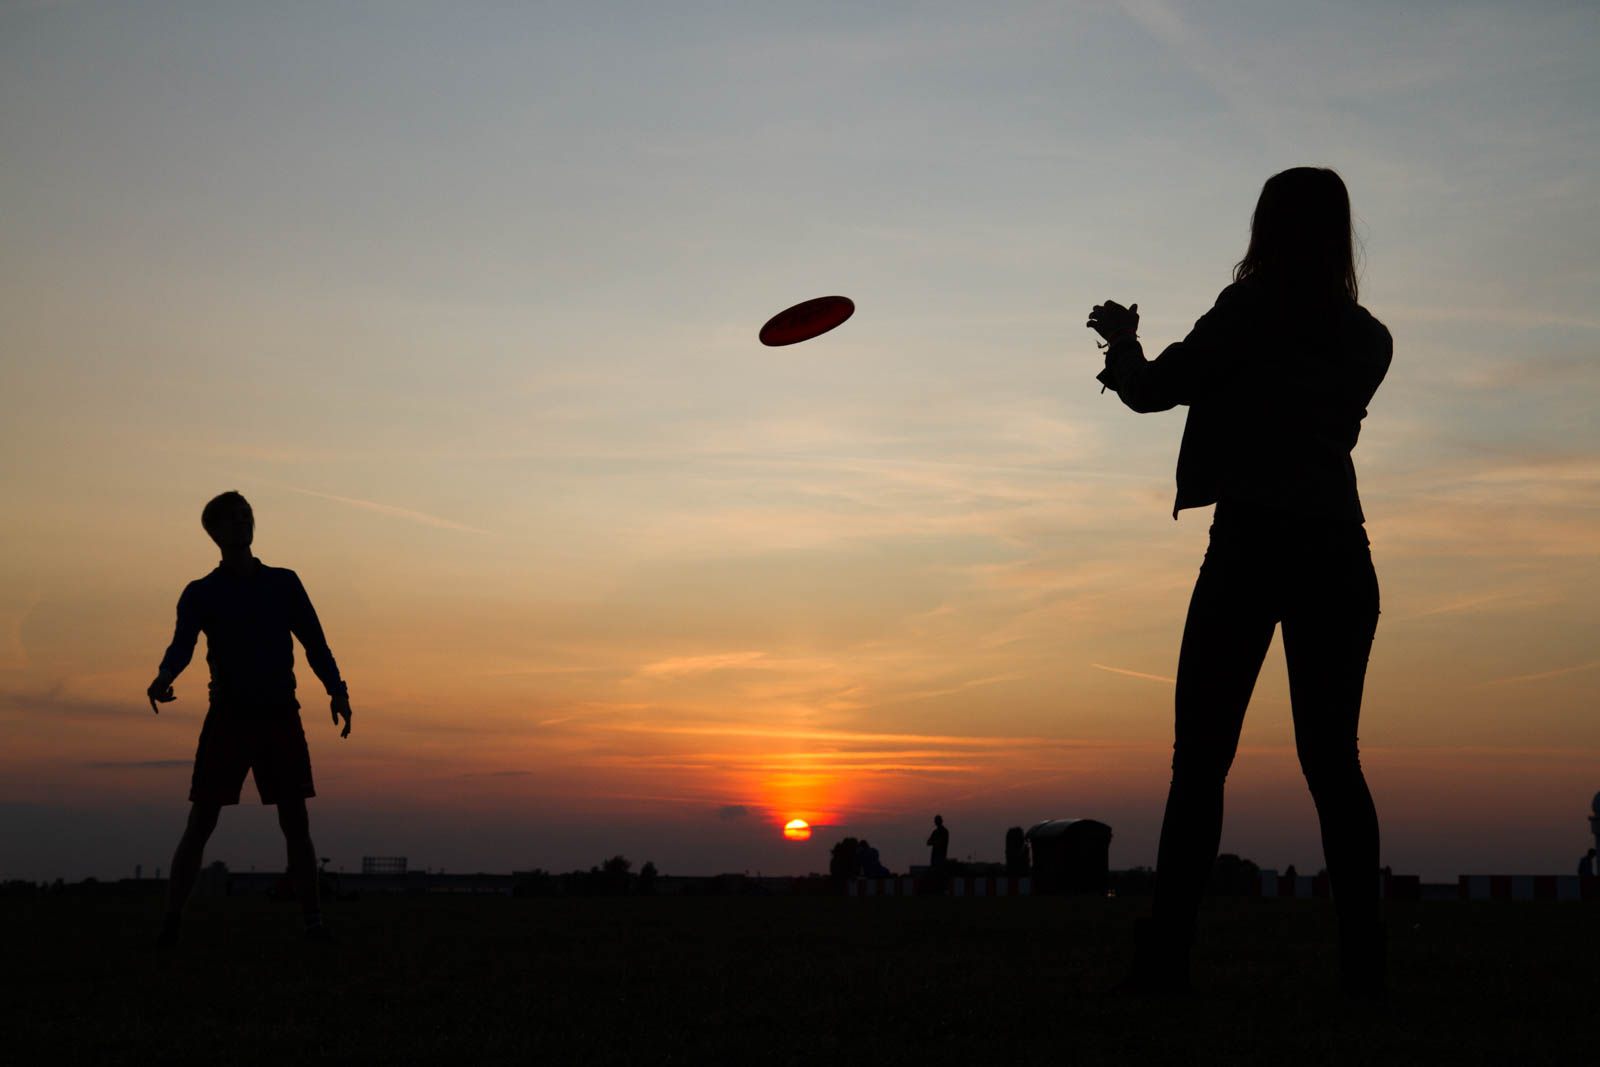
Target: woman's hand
1111, 320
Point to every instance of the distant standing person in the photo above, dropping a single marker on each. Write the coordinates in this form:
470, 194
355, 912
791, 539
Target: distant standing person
939, 841
1277, 378
248, 611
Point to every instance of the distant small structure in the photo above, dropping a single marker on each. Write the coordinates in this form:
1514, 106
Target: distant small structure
1070, 856
1016, 852
386, 865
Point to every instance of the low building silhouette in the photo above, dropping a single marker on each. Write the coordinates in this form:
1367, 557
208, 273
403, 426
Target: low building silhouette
1070, 856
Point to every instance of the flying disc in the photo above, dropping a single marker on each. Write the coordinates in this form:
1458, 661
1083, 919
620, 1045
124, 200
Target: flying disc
807, 320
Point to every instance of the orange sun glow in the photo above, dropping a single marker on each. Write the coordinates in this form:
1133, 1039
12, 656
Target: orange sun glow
797, 830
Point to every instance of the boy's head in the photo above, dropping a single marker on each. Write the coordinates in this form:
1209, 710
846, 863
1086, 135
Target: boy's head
229, 520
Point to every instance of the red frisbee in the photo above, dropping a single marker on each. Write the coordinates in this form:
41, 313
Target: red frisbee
807, 320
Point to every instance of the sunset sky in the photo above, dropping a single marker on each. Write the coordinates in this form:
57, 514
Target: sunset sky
464, 299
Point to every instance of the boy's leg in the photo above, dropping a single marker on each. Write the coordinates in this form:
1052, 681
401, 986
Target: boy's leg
282, 767
186, 861
221, 761
295, 822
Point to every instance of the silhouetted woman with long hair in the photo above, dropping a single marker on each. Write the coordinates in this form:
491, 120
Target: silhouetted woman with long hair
1277, 378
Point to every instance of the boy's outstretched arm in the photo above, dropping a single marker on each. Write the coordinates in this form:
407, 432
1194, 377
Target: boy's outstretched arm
305, 625
178, 653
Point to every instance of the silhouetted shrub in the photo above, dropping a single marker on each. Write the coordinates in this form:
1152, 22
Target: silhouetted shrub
1234, 877
535, 883
614, 873
842, 860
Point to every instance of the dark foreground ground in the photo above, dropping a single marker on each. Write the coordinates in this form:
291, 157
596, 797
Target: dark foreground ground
779, 980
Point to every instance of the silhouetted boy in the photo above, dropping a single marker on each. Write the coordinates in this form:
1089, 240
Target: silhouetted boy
248, 612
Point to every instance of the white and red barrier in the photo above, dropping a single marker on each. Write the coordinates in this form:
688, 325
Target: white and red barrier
991, 886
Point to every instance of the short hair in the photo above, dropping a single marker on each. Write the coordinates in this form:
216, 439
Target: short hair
222, 501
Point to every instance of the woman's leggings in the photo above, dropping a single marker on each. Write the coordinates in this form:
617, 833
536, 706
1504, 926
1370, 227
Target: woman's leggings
1317, 580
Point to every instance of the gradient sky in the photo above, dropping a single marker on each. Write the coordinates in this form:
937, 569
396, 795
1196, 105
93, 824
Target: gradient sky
464, 299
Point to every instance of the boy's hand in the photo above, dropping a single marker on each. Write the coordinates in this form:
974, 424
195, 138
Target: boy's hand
160, 689
341, 707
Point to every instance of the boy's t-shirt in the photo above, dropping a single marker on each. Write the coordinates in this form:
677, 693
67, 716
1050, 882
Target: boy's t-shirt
248, 617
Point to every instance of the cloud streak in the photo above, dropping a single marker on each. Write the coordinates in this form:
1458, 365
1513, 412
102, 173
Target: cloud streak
391, 510
1135, 674
1540, 675
138, 764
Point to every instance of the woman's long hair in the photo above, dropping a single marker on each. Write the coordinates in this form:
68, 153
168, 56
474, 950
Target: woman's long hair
1301, 243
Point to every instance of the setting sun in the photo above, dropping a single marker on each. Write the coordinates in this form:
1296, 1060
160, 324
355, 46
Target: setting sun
797, 830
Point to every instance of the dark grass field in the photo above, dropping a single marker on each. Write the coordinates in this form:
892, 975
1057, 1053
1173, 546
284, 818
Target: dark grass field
477, 980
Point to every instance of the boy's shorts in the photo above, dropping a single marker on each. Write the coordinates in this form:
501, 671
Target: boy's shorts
269, 743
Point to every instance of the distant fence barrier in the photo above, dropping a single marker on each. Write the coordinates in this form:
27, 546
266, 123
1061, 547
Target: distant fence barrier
992, 886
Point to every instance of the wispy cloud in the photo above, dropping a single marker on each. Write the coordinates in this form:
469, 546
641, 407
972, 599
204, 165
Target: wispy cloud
1460, 605
686, 665
391, 510
139, 764
1540, 675
1491, 314
950, 740
58, 703
1135, 674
